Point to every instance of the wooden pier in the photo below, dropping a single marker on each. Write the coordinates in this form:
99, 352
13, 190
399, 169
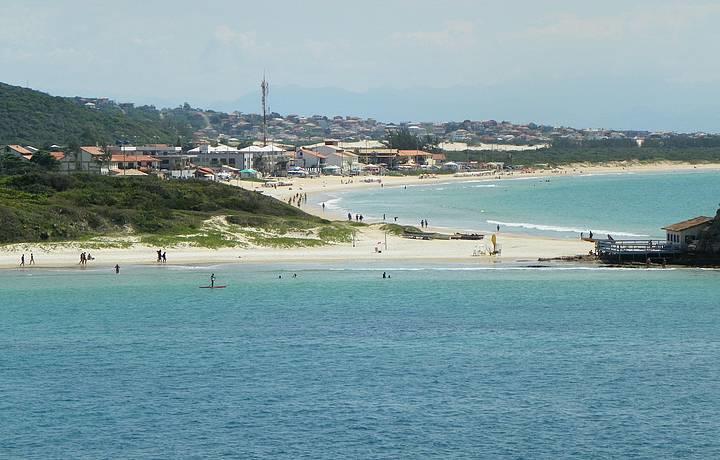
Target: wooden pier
633, 251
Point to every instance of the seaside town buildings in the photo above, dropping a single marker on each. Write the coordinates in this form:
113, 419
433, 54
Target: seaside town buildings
316, 144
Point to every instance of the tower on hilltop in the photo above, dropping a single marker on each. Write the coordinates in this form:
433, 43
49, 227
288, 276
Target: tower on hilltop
265, 88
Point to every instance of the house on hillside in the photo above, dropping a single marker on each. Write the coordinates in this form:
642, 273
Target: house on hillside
89, 159
19, 151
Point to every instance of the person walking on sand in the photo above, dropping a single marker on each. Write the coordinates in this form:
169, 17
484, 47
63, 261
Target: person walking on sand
32, 259
164, 257
22, 260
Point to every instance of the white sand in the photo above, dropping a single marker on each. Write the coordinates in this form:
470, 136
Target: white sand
515, 247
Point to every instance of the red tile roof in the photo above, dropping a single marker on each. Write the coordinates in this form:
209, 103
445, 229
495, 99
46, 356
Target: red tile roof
20, 149
92, 150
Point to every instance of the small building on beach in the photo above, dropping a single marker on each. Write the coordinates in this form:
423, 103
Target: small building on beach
686, 233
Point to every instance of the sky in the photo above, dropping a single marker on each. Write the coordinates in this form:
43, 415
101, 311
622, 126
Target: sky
632, 64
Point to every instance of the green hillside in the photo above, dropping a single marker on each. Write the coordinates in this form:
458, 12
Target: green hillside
32, 117
48, 207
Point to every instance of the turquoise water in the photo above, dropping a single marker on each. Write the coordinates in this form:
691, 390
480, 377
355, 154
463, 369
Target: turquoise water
625, 205
337, 363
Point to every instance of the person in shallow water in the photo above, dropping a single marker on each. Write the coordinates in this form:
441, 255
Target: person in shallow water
117, 268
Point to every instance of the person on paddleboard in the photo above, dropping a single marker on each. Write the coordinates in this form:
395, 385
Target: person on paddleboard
212, 280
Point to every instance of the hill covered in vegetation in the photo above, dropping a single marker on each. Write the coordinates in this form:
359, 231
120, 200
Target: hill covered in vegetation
706, 150
32, 117
49, 207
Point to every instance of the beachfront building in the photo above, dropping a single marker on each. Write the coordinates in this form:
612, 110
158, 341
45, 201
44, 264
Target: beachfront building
121, 164
216, 156
309, 160
170, 157
336, 156
378, 156
268, 159
687, 232
413, 157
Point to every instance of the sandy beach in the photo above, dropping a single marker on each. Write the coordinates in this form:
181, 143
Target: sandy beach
372, 245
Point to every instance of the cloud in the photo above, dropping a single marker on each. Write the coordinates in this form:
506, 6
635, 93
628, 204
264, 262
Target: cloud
229, 37
454, 33
622, 24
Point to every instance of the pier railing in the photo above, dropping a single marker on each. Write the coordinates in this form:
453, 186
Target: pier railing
636, 247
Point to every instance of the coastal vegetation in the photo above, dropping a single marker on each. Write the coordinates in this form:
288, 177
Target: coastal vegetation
680, 149
49, 207
32, 117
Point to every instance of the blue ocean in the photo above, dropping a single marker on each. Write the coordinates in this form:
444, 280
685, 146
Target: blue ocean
625, 205
434, 362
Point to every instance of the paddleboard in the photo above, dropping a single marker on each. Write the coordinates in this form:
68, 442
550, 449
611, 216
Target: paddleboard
212, 287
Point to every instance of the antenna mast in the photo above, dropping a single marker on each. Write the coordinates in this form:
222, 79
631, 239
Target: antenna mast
265, 88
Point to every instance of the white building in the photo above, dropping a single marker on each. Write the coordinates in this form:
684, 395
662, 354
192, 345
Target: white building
335, 155
207, 155
170, 157
269, 158
687, 232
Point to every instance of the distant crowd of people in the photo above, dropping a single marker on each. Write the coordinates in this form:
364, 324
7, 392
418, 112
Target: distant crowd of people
298, 199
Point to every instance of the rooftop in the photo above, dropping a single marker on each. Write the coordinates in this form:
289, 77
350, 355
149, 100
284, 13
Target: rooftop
688, 224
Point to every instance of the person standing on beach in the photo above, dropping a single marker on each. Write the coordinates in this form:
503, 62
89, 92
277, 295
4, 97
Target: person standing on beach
22, 260
32, 259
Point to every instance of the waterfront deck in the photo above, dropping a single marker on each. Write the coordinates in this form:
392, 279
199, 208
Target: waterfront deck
626, 251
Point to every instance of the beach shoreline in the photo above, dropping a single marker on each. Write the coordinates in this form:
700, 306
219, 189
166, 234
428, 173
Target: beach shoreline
369, 246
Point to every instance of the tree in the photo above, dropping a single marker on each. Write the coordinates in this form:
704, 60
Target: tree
44, 160
403, 139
